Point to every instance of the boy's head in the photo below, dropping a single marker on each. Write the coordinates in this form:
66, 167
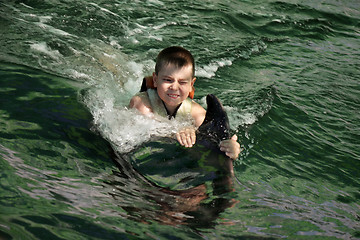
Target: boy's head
178, 56
174, 76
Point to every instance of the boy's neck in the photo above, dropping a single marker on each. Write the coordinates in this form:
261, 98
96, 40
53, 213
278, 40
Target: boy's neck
173, 112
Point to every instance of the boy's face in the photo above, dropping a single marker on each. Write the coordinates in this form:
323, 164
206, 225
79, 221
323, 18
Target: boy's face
174, 84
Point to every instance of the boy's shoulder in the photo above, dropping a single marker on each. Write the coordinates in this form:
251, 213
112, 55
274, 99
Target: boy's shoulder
140, 97
141, 102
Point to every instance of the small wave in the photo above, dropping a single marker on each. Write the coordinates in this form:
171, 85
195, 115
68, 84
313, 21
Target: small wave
240, 118
208, 71
43, 48
46, 184
104, 9
53, 30
156, 2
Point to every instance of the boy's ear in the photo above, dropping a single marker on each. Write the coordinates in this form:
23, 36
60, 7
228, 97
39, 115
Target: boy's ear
192, 93
155, 78
193, 81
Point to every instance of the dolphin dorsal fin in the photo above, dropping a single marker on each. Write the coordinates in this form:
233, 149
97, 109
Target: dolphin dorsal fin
216, 122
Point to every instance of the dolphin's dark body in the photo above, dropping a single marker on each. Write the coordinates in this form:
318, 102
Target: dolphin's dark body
180, 179
212, 131
166, 164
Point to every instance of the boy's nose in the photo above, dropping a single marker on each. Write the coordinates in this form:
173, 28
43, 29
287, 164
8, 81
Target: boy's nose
174, 86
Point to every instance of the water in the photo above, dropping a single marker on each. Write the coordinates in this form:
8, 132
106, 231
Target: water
287, 73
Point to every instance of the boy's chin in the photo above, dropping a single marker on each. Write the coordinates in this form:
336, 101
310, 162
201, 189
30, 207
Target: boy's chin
173, 103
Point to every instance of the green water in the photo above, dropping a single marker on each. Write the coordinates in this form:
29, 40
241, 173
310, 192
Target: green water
286, 72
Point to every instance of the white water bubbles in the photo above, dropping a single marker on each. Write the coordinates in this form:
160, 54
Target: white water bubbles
108, 98
108, 79
125, 128
209, 71
44, 49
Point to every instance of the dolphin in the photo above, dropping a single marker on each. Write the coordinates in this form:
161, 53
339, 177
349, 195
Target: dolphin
179, 179
167, 164
213, 130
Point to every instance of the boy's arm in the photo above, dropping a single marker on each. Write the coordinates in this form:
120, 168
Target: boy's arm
141, 104
198, 113
186, 136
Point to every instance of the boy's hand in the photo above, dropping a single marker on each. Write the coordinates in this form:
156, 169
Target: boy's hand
186, 136
231, 147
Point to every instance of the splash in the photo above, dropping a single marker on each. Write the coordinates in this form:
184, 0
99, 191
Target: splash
209, 71
125, 128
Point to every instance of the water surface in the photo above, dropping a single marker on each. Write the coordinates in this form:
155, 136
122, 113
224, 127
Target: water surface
286, 72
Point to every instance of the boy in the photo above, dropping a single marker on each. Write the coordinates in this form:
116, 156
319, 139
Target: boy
174, 80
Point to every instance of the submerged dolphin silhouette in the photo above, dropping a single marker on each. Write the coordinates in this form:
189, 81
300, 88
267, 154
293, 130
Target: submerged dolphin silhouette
180, 179
166, 164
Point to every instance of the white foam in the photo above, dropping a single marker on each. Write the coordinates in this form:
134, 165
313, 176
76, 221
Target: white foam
26, 6
45, 19
239, 117
111, 79
158, 37
104, 9
115, 43
114, 80
109, 55
208, 71
33, 17
160, 26
126, 128
45, 49
78, 75
52, 29
157, 2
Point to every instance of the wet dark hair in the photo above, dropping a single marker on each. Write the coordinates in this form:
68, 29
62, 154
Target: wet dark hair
178, 56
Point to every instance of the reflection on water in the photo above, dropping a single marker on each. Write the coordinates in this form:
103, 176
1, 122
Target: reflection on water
74, 192
330, 217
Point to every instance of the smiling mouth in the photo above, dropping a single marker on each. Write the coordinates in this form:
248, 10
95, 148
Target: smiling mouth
174, 96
